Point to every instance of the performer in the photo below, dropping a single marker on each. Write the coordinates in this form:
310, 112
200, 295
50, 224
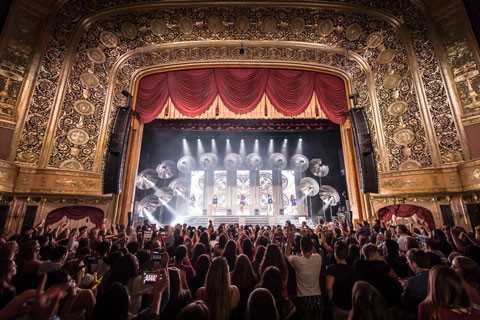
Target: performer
214, 203
242, 202
293, 203
192, 201
270, 203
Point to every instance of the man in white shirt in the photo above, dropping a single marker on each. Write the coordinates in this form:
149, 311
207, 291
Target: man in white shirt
307, 270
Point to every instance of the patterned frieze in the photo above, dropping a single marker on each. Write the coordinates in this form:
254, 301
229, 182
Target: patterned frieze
78, 87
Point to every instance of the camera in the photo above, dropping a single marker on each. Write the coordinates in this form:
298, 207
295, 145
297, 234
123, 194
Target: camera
149, 277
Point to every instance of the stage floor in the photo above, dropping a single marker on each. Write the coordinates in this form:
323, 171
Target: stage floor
261, 220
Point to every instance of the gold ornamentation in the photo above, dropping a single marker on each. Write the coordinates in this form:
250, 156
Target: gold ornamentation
297, 26
108, 39
325, 27
241, 23
374, 39
4, 176
475, 175
353, 32
96, 55
397, 108
386, 56
392, 81
90, 80
186, 25
77, 183
77, 136
84, 107
129, 30
403, 137
158, 27
396, 183
269, 24
409, 165
71, 164
214, 24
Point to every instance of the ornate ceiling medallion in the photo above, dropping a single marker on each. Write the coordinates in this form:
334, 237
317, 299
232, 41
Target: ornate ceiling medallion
129, 31
242, 24
71, 164
297, 26
158, 27
186, 25
392, 81
77, 136
397, 108
84, 107
374, 40
353, 32
386, 56
89, 80
325, 27
214, 24
108, 39
96, 55
410, 165
403, 137
269, 24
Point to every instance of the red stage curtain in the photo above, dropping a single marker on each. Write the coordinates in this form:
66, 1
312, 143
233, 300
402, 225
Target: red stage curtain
193, 91
241, 89
152, 96
406, 210
75, 213
332, 97
290, 91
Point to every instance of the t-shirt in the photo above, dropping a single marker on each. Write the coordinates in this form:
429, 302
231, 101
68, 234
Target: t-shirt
307, 272
345, 278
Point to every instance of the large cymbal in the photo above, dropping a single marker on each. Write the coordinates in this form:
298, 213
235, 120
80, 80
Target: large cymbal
146, 179
166, 169
254, 161
164, 194
299, 162
208, 161
278, 161
309, 186
147, 205
186, 164
328, 193
179, 186
232, 161
317, 168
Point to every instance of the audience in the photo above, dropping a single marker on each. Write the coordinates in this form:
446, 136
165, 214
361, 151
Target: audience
335, 271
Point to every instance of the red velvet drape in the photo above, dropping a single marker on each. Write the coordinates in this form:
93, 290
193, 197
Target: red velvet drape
241, 89
406, 210
75, 213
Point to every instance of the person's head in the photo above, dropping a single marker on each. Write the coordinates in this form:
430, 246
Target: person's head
274, 257
112, 304
198, 250
222, 241
180, 254
230, 253
446, 289
370, 251
353, 252
7, 271
175, 283
412, 243
217, 293
453, 255
197, 310
261, 306
59, 254
438, 234
247, 247
272, 281
259, 254
8, 250
468, 269
202, 264
132, 247
341, 251
418, 259
401, 229
306, 245
261, 241
103, 247
243, 274
391, 248
125, 268
368, 303
28, 251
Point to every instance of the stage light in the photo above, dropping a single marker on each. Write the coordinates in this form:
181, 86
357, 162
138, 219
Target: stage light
284, 147
299, 148
200, 149
242, 152
256, 146
270, 147
214, 147
186, 148
228, 147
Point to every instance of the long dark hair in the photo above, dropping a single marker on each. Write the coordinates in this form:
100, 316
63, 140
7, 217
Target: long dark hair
178, 297
274, 257
261, 306
230, 253
446, 289
113, 304
247, 248
6, 267
198, 250
125, 269
272, 281
242, 275
204, 239
368, 303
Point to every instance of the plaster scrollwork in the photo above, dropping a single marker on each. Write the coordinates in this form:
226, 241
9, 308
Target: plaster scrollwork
377, 42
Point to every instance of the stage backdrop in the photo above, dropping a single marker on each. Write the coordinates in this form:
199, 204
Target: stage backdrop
193, 91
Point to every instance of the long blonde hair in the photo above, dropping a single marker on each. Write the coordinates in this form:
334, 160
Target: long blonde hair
217, 294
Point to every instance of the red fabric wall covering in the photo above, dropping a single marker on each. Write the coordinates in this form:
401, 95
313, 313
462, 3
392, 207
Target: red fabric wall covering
406, 210
75, 213
193, 91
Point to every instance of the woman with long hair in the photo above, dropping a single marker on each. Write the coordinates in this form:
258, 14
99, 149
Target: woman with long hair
470, 272
179, 297
247, 248
274, 257
201, 269
447, 297
244, 278
205, 240
113, 304
218, 294
198, 250
7, 291
197, 310
28, 262
230, 253
259, 254
261, 306
272, 281
368, 303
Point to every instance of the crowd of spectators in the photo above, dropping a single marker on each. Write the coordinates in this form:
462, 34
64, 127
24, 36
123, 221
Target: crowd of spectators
332, 271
